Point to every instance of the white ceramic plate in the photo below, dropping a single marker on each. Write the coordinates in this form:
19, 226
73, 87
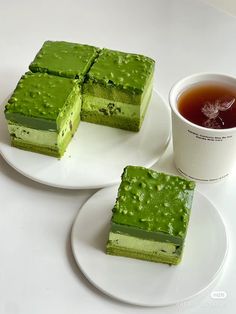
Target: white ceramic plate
141, 282
97, 154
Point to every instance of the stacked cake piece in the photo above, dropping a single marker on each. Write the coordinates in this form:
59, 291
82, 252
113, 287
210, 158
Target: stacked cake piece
69, 80
43, 113
150, 216
117, 90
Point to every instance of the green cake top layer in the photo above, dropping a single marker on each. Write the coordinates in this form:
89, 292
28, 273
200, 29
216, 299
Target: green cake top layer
64, 59
40, 100
124, 70
153, 201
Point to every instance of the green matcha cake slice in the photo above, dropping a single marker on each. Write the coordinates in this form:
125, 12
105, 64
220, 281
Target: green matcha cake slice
117, 90
150, 216
43, 113
66, 59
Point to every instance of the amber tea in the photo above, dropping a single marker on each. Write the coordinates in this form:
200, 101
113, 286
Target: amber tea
209, 104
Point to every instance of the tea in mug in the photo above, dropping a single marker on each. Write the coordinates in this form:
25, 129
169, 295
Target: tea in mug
209, 104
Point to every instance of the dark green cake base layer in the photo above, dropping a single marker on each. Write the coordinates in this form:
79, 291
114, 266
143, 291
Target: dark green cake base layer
115, 122
36, 149
157, 258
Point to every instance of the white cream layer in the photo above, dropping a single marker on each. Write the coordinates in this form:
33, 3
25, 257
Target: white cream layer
143, 245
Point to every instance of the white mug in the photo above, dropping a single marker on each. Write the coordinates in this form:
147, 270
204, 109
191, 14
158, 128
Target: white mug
201, 154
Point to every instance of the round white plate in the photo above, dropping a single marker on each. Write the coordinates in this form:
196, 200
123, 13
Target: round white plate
142, 282
97, 154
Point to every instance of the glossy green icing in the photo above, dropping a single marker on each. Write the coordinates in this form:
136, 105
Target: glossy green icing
41, 101
66, 59
124, 70
153, 201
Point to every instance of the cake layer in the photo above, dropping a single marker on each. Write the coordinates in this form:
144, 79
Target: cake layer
41, 101
132, 253
66, 59
39, 137
120, 122
143, 249
111, 92
139, 244
108, 108
115, 113
45, 148
117, 93
145, 234
127, 108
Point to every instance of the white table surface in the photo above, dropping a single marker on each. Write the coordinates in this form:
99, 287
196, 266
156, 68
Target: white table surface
37, 270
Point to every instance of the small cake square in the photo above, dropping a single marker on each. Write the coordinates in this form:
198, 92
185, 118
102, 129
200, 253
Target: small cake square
117, 90
66, 59
150, 216
43, 113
